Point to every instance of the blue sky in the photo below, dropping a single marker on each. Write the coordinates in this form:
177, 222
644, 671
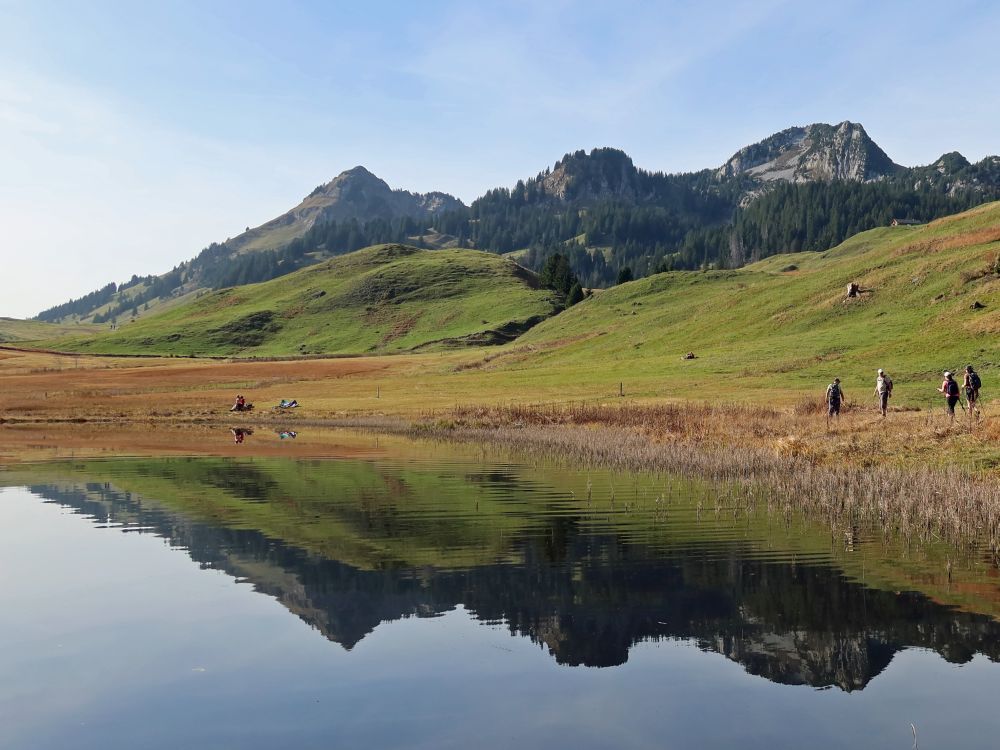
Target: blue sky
134, 134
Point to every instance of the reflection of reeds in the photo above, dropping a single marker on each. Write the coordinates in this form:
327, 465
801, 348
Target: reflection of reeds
758, 457
918, 503
780, 474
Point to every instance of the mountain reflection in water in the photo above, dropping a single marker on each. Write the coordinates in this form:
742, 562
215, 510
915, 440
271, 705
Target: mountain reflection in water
588, 592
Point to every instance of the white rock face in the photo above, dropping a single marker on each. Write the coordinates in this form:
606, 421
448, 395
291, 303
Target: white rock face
812, 153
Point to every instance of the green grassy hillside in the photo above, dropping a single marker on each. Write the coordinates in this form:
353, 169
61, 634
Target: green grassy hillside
784, 324
13, 330
389, 298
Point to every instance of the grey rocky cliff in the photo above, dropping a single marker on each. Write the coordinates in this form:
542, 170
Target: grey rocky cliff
817, 152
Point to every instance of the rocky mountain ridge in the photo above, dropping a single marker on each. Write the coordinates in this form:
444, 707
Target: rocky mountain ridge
353, 194
817, 152
637, 218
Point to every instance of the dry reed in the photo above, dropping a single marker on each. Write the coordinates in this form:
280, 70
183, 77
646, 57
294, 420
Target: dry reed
917, 503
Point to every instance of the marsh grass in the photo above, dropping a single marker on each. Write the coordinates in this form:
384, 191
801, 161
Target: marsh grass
760, 459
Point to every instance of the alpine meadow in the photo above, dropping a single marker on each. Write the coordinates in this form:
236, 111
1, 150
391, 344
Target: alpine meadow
561, 375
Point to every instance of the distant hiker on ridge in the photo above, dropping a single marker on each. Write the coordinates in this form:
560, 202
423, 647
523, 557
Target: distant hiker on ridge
972, 384
950, 390
834, 395
883, 390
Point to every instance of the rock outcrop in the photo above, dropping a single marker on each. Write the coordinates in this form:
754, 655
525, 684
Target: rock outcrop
354, 194
817, 152
603, 174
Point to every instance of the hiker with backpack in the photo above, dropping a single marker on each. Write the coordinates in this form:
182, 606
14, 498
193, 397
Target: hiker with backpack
950, 390
834, 396
972, 384
883, 390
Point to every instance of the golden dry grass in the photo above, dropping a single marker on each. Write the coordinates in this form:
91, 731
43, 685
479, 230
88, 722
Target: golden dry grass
40, 388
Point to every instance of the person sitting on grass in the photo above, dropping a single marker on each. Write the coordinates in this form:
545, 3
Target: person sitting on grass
834, 396
972, 384
240, 405
883, 390
949, 388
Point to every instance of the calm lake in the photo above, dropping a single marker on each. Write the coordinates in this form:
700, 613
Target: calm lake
398, 594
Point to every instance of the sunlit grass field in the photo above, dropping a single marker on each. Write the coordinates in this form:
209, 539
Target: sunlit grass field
388, 298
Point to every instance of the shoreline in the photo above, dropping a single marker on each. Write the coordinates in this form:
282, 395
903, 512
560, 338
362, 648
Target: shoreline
915, 502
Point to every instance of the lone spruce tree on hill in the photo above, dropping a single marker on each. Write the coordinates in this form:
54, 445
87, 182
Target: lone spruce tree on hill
575, 295
556, 274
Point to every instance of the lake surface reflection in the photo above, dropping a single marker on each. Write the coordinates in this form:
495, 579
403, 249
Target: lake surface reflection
435, 599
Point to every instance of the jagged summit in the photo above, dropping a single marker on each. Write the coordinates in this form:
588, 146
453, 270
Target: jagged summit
353, 194
603, 173
357, 193
953, 161
817, 152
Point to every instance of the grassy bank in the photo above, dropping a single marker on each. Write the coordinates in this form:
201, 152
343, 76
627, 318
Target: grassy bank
44, 388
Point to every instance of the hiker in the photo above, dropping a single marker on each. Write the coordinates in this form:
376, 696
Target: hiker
240, 405
950, 390
834, 395
972, 384
883, 390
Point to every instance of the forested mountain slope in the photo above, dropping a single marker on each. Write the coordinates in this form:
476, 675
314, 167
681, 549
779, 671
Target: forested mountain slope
805, 188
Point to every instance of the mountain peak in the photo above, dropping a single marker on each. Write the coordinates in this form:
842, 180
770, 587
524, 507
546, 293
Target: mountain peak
353, 176
355, 193
603, 173
951, 162
358, 171
817, 152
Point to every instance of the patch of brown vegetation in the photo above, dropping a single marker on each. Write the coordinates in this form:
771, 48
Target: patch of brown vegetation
515, 354
42, 386
860, 437
982, 236
984, 323
401, 327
